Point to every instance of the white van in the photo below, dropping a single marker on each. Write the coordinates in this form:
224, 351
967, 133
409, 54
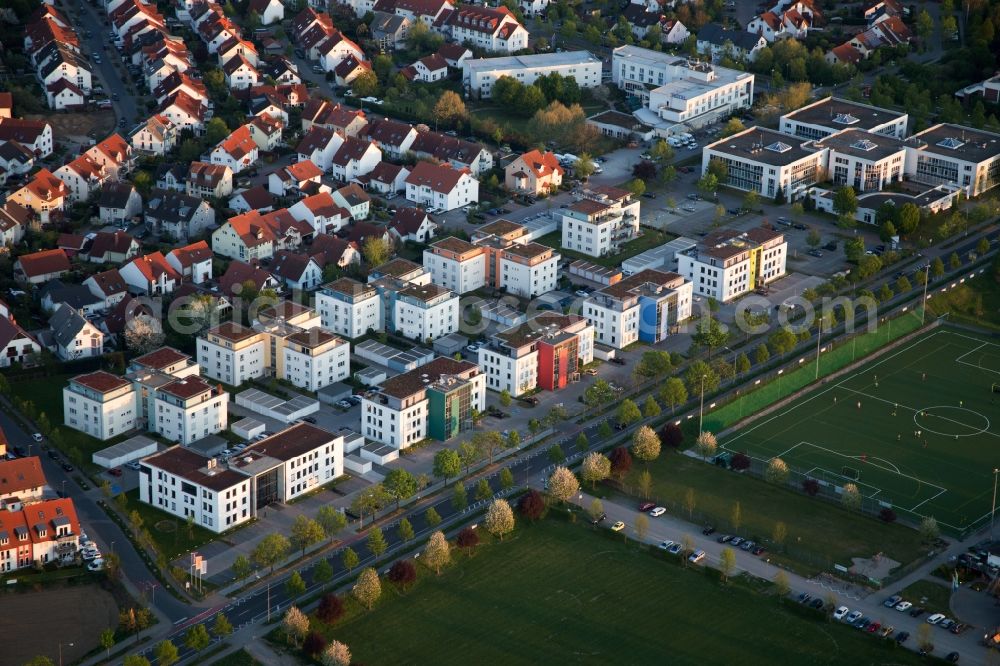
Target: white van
697, 556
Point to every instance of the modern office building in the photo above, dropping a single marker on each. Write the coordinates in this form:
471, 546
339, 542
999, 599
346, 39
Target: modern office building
479, 75
221, 495
765, 161
865, 161
833, 114
947, 154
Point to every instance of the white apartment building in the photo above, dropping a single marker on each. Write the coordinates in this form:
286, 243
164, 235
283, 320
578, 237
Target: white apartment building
528, 270
99, 404
727, 264
349, 308
481, 74
832, 114
865, 161
425, 312
545, 352
315, 358
646, 307
492, 29
456, 264
600, 222
676, 90
219, 496
435, 400
188, 409
764, 160
232, 353
947, 154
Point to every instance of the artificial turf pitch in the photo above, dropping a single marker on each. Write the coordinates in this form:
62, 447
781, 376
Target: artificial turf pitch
917, 429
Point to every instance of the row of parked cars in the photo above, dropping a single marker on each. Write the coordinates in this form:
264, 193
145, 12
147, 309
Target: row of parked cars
860, 621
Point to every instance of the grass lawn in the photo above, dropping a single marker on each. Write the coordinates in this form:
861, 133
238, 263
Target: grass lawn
170, 533
46, 394
650, 238
557, 593
914, 429
932, 596
976, 302
811, 524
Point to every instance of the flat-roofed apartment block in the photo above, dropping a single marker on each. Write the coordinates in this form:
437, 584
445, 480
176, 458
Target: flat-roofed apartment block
727, 264
188, 409
219, 496
479, 75
832, 114
99, 404
456, 264
435, 400
600, 222
765, 161
425, 312
232, 353
348, 307
502, 260
952, 154
865, 161
545, 352
646, 307
316, 358
678, 90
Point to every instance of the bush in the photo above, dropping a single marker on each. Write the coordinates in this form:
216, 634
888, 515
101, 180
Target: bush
887, 515
672, 436
810, 487
740, 462
314, 644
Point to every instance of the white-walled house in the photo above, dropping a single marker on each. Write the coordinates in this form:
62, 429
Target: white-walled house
73, 337
355, 158
440, 186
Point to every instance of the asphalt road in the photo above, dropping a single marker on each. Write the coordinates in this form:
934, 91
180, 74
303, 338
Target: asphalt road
112, 78
253, 608
95, 522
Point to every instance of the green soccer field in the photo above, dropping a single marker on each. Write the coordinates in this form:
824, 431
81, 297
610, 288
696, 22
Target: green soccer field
917, 429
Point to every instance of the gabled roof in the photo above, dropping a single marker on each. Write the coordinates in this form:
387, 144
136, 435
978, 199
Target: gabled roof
322, 204
847, 54
46, 186
351, 150
322, 112
206, 175
439, 177
75, 296
482, 19
434, 62
192, 254
713, 33
71, 242
385, 172
154, 265
239, 272
303, 170
347, 66
115, 194
239, 144
172, 206
110, 282
541, 164
44, 262
389, 132
66, 323
21, 474
22, 131
186, 104
257, 197
117, 242
407, 220
317, 138
290, 265
328, 249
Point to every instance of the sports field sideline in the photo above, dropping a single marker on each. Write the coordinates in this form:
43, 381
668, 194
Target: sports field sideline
917, 429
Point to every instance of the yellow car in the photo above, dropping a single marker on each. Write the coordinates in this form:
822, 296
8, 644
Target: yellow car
618, 527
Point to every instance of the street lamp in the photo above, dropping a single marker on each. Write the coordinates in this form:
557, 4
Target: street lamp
268, 596
993, 510
701, 409
64, 487
60, 651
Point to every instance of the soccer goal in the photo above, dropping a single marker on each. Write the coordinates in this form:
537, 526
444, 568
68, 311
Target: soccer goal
996, 388
851, 473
